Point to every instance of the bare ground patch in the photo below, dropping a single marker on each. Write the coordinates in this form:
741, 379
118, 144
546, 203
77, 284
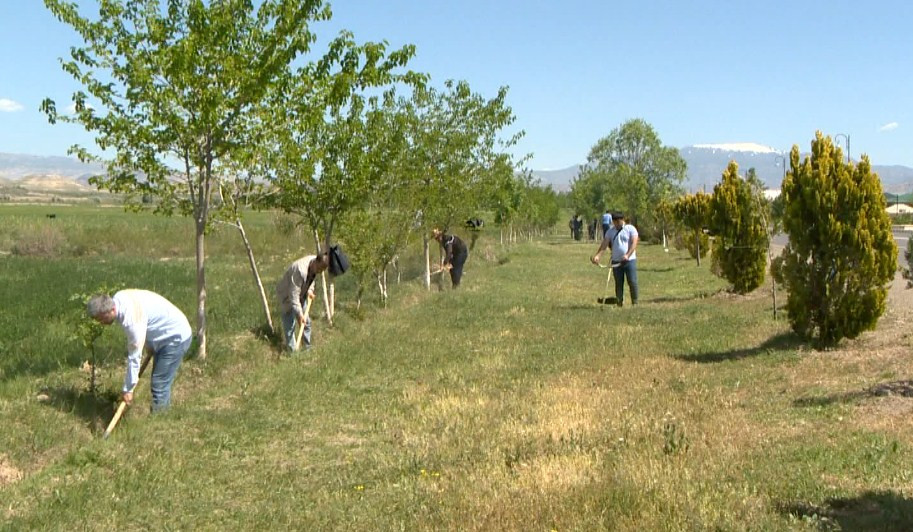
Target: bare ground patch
8, 472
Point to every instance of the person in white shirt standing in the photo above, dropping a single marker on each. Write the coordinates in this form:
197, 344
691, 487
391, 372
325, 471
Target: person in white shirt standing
622, 238
147, 319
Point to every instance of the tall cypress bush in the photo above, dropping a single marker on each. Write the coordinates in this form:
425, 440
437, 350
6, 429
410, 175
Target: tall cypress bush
841, 252
737, 220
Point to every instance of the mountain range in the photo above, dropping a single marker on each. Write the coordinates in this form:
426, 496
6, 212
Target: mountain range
706, 163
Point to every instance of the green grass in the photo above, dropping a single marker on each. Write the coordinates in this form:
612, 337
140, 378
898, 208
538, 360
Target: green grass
516, 402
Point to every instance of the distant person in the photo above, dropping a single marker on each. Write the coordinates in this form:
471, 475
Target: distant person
296, 284
455, 255
606, 222
570, 225
475, 226
622, 238
578, 227
148, 319
591, 230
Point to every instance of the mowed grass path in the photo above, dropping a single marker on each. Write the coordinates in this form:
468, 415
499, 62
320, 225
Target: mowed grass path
515, 403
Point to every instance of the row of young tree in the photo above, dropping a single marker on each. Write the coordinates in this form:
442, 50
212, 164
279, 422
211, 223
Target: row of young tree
209, 109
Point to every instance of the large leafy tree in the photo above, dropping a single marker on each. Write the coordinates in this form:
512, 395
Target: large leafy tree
167, 89
632, 170
739, 223
841, 252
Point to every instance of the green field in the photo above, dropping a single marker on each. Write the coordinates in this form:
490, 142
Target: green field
515, 403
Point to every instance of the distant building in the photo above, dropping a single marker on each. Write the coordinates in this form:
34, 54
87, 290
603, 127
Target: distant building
899, 208
771, 193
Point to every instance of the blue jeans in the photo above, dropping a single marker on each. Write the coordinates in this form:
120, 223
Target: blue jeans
626, 269
289, 322
166, 363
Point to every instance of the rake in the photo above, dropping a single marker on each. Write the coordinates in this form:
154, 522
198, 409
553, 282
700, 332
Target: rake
123, 405
606, 300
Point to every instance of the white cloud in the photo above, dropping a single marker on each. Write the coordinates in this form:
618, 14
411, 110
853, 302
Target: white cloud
9, 106
890, 126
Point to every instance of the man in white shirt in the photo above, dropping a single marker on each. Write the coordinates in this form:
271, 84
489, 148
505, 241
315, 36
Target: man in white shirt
147, 319
622, 238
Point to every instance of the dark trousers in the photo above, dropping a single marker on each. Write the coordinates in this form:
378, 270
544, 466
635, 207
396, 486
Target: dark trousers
456, 270
605, 229
626, 269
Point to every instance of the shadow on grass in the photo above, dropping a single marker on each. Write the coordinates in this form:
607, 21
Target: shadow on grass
272, 338
657, 270
779, 342
872, 510
885, 389
94, 409
680, 299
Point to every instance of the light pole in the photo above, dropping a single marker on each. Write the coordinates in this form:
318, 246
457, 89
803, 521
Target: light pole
781, 158
847, 138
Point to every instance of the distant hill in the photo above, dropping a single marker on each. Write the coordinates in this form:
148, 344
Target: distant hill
559, 180
16, 166
706, 163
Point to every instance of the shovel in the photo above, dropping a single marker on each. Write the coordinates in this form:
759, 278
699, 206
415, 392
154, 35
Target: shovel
307, 310
123, 405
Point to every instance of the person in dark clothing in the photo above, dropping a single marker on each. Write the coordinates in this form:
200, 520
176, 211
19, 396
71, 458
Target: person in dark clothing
578, 227
455, 255
475, 226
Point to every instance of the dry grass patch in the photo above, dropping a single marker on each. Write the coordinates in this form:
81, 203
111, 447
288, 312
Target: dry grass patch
557, 473
8, 472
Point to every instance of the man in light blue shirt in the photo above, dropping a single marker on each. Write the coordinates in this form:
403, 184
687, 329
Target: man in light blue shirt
622, 239
148, 319
606, 223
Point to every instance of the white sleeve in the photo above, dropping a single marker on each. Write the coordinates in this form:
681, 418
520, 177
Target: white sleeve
136, 337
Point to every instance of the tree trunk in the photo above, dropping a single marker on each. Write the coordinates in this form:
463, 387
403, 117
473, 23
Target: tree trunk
385, 287
201, 286
256, 273
323, 277
773, 281
426, 249
697, 245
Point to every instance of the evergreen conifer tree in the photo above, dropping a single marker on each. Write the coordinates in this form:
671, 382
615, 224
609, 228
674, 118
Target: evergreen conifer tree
741, 238
841, 252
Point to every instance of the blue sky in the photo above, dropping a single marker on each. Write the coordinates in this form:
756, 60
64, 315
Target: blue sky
699, 71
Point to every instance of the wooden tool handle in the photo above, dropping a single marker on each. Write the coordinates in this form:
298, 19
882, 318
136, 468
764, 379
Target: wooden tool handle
123, 405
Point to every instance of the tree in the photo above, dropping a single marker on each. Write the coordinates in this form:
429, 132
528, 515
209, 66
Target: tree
458, 153
173, 82
235, 196
377, 231
907, 272
841, 252
738, 221
631, 169
332, 145
693, 213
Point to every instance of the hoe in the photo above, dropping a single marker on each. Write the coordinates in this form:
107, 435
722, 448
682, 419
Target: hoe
123, 406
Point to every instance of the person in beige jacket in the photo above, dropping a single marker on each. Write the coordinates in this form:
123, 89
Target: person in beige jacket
295, 285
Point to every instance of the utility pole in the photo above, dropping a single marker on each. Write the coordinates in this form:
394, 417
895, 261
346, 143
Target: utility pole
847, 138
